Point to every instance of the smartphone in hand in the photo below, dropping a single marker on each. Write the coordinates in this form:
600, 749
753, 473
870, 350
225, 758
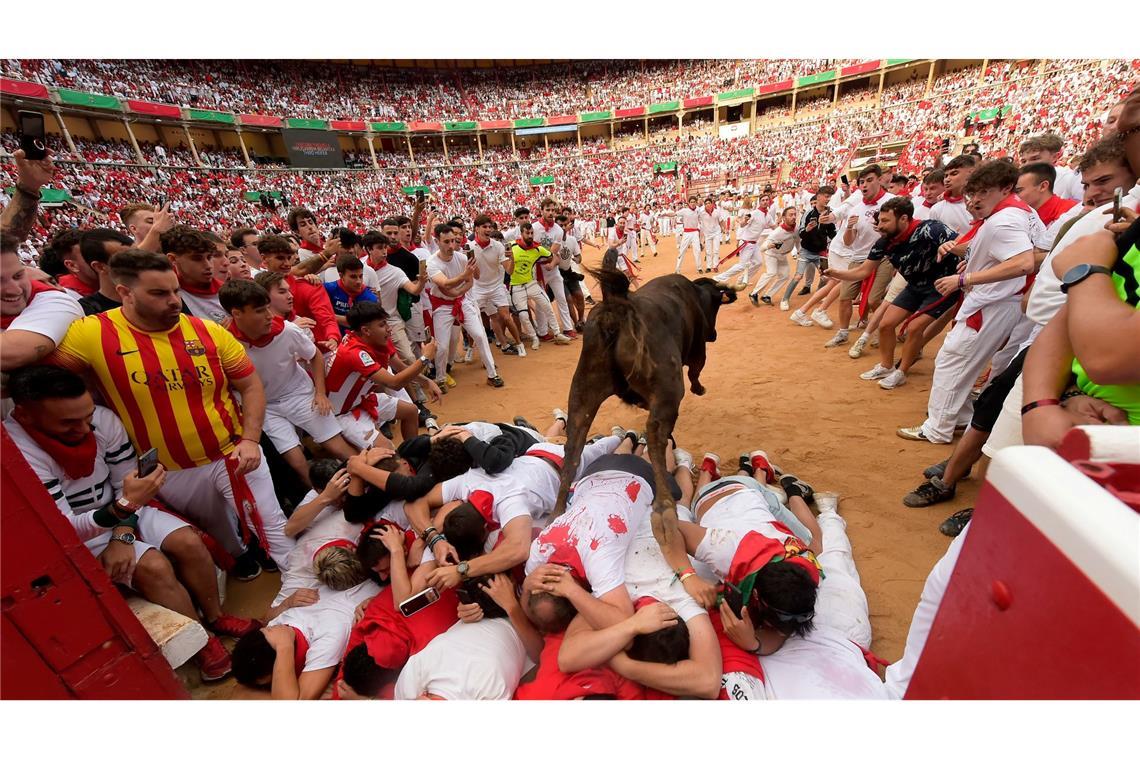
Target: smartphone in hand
147, 463
33, 138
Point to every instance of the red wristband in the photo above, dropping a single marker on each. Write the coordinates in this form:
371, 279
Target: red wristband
1043, 402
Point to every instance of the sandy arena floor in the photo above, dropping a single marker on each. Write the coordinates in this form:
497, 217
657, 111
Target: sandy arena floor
771, 385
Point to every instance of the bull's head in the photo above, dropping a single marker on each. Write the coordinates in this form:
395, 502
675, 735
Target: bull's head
713, 295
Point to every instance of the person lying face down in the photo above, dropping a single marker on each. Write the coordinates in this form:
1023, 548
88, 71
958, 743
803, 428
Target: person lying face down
297, 653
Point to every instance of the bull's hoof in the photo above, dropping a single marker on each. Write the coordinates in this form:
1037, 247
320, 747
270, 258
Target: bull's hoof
664, 523
697, 389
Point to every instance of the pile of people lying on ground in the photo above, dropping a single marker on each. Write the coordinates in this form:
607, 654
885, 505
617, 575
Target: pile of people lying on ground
191, 400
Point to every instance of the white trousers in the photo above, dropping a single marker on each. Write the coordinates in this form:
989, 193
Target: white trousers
900, 672
840, 602
647, 239
205, 495
1022, 329
745, 266
558, 288
398, 334
689, 240
776, 268
712, 249
444, 320
542, 319
962, 358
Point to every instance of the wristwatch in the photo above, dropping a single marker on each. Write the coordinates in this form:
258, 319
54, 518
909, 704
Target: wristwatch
423, 359
126, 538
463, 567
1080, 273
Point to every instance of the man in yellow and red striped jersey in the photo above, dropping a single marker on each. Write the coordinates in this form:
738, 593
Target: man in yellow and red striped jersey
171, 378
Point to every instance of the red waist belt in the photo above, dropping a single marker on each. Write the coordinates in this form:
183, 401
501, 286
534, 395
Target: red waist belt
691, 229
456, 306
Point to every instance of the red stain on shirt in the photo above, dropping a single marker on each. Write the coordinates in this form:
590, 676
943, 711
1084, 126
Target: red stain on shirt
617, 525
632, 490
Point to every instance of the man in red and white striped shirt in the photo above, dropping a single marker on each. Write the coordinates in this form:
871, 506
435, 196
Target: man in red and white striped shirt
360, 367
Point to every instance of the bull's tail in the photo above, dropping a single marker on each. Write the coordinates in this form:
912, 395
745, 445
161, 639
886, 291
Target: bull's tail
617, 313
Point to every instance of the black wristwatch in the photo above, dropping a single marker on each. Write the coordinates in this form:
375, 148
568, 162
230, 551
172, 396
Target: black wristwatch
1080, 273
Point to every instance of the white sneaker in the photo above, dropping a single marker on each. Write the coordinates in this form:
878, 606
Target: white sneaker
784, 306
561, 339
683, 459
827, 501
820, 318
558, 414
878, 372
893, 380
857, 350
801, 319
521, 349
836, 340
617, 431
467, 356
534, 342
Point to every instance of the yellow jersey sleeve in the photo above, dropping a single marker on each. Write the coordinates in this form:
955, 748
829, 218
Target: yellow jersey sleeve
235, 361
75, 350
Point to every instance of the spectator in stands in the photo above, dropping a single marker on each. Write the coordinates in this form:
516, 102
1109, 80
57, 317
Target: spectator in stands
97, 246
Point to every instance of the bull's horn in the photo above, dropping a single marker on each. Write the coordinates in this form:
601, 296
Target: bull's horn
739, 286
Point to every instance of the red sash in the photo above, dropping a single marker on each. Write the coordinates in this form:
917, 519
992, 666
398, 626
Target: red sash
456, 306
300, 650
248, 517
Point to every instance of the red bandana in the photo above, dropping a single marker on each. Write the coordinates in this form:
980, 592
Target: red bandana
904, 236
946, 196
928, 204
275, 329
38, 286
484, 503
756, 551
343, 542
300, 650
786, 228
1010, 201
314, 247
77, 461
1052, 209
875, 200
79, 286
211, 290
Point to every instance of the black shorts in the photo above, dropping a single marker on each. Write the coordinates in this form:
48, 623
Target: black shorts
572, 283
930, 302
987, 408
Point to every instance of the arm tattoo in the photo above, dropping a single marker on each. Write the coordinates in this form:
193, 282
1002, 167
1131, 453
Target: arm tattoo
20, 215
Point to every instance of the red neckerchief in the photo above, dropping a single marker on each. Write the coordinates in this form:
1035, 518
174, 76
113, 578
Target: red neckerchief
341, 542
484, 503
300, 650
211, 290
904, 236
351, 298
317, 248
1010, 201
275, 329
525, 247
38, 286
927, 203
757, 550
540, 221
875, 200
77, 461
1052, 209
79, 286
786, 228
946, 196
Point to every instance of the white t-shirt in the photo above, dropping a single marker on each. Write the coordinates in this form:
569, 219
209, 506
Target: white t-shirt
548, 238
49, 313
865, 232
79, 499
922, 212
825, 664
326, 624
423, 254
527, 488
490, 260
594, 533
1068, 184
569, 254
1004, 235
1046, 298
277, 365
953, 215
782, 241
1046, 236
647, 573
204, 307
759, 223
329, 525
482, 660
711, 224
449, 269
690, 218
389, 280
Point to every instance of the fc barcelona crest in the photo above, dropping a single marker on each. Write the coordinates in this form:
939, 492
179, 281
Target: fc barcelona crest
195, 348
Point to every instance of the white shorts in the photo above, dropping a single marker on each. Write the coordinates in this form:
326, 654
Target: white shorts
1007, 429
898, 283
737, 686
362, 430
491, 299
282, 418
154, 526
841, 263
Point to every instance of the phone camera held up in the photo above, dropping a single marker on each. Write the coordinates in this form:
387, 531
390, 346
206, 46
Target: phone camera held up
33, 139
